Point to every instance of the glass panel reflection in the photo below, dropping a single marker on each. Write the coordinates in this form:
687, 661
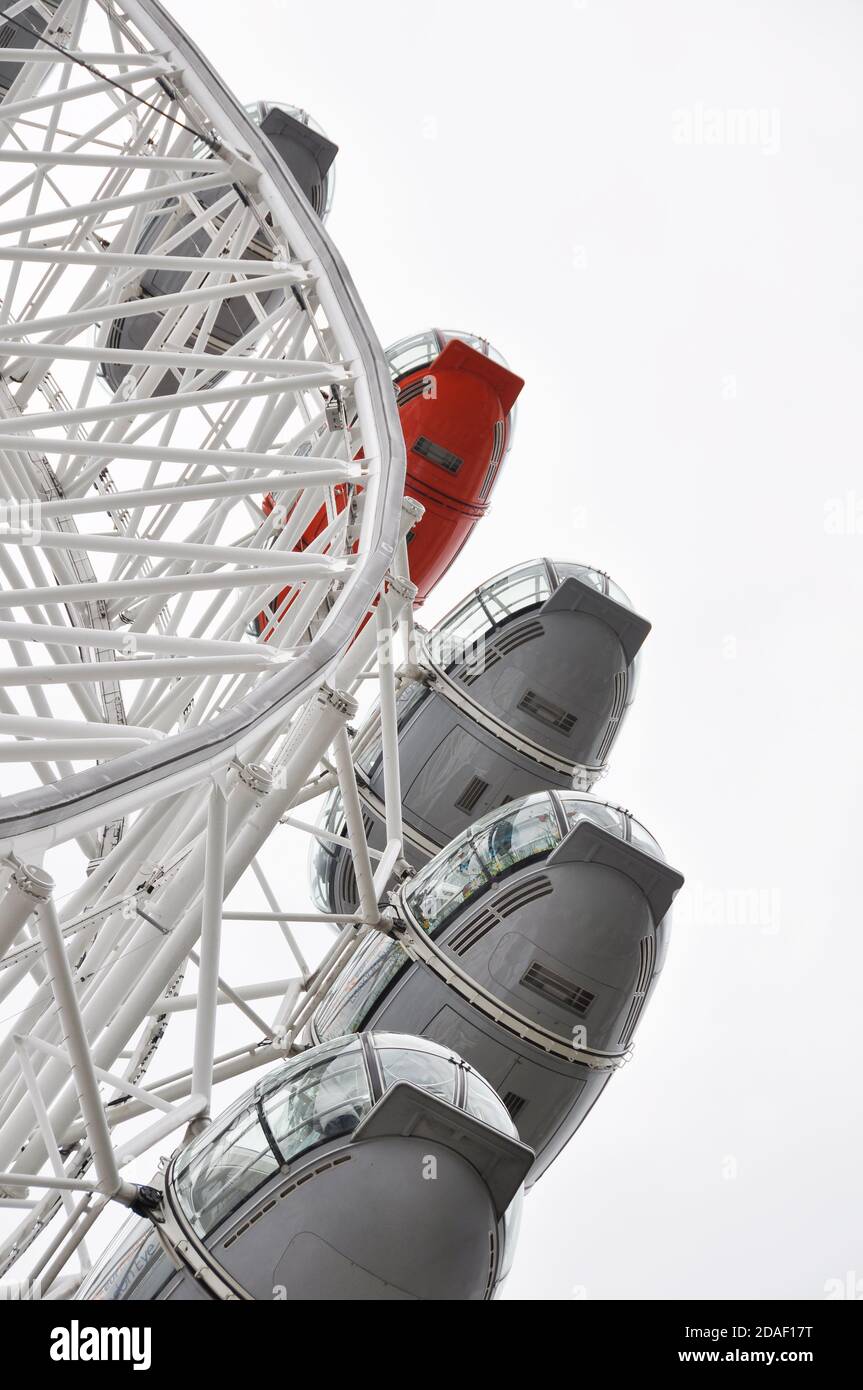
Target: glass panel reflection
325, 1102
498, 843
369, 976
218, 1174
302, 1106
409, 354
487, 1105
503, 597
432, 1071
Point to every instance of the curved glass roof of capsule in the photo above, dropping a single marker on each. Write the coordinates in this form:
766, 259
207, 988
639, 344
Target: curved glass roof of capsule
409, 354
258, 111
513, 591
506, 840
317, 1097
500, 843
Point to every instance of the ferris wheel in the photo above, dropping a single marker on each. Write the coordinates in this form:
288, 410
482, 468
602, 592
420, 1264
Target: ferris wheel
221, 502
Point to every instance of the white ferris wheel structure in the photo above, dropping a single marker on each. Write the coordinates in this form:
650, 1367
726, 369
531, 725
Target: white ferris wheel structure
149, 744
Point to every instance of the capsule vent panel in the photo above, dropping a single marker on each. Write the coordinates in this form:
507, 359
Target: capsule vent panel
514, 1104
471, 795
437, 454
503, 645
621, 688
642, 985
499, 440
487, 482
527, 891
346, 880
544, 712
504, 905
496, 456
492, 1264
525, 632
472, 932
470, 674
558, 990
416, 388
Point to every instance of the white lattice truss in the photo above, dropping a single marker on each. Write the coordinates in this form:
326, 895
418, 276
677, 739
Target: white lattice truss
150, 745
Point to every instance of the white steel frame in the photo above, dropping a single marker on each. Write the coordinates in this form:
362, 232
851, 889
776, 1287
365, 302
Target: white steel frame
150, 742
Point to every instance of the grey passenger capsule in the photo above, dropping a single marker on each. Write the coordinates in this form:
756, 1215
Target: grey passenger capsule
309, 155
378, 1167
304, 147
531, 946
524, 686
22, 31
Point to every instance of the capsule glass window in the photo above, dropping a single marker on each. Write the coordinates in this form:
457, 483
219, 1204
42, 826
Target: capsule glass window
304, 1105
458, 637
641, 836
372, 971
487, 1105
458, 876
135, 1254
578, 809
602, 583
511, 593
409, 354
220, 1171
506, 841
432, 1071
323, 1103
497, 844
621, 823
473, 340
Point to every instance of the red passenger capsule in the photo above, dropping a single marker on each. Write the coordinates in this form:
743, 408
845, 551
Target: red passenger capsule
456, 412
456, 399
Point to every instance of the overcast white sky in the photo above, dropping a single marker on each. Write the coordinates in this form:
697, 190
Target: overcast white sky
681, 290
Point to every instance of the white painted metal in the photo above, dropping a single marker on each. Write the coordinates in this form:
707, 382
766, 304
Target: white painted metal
152, 746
